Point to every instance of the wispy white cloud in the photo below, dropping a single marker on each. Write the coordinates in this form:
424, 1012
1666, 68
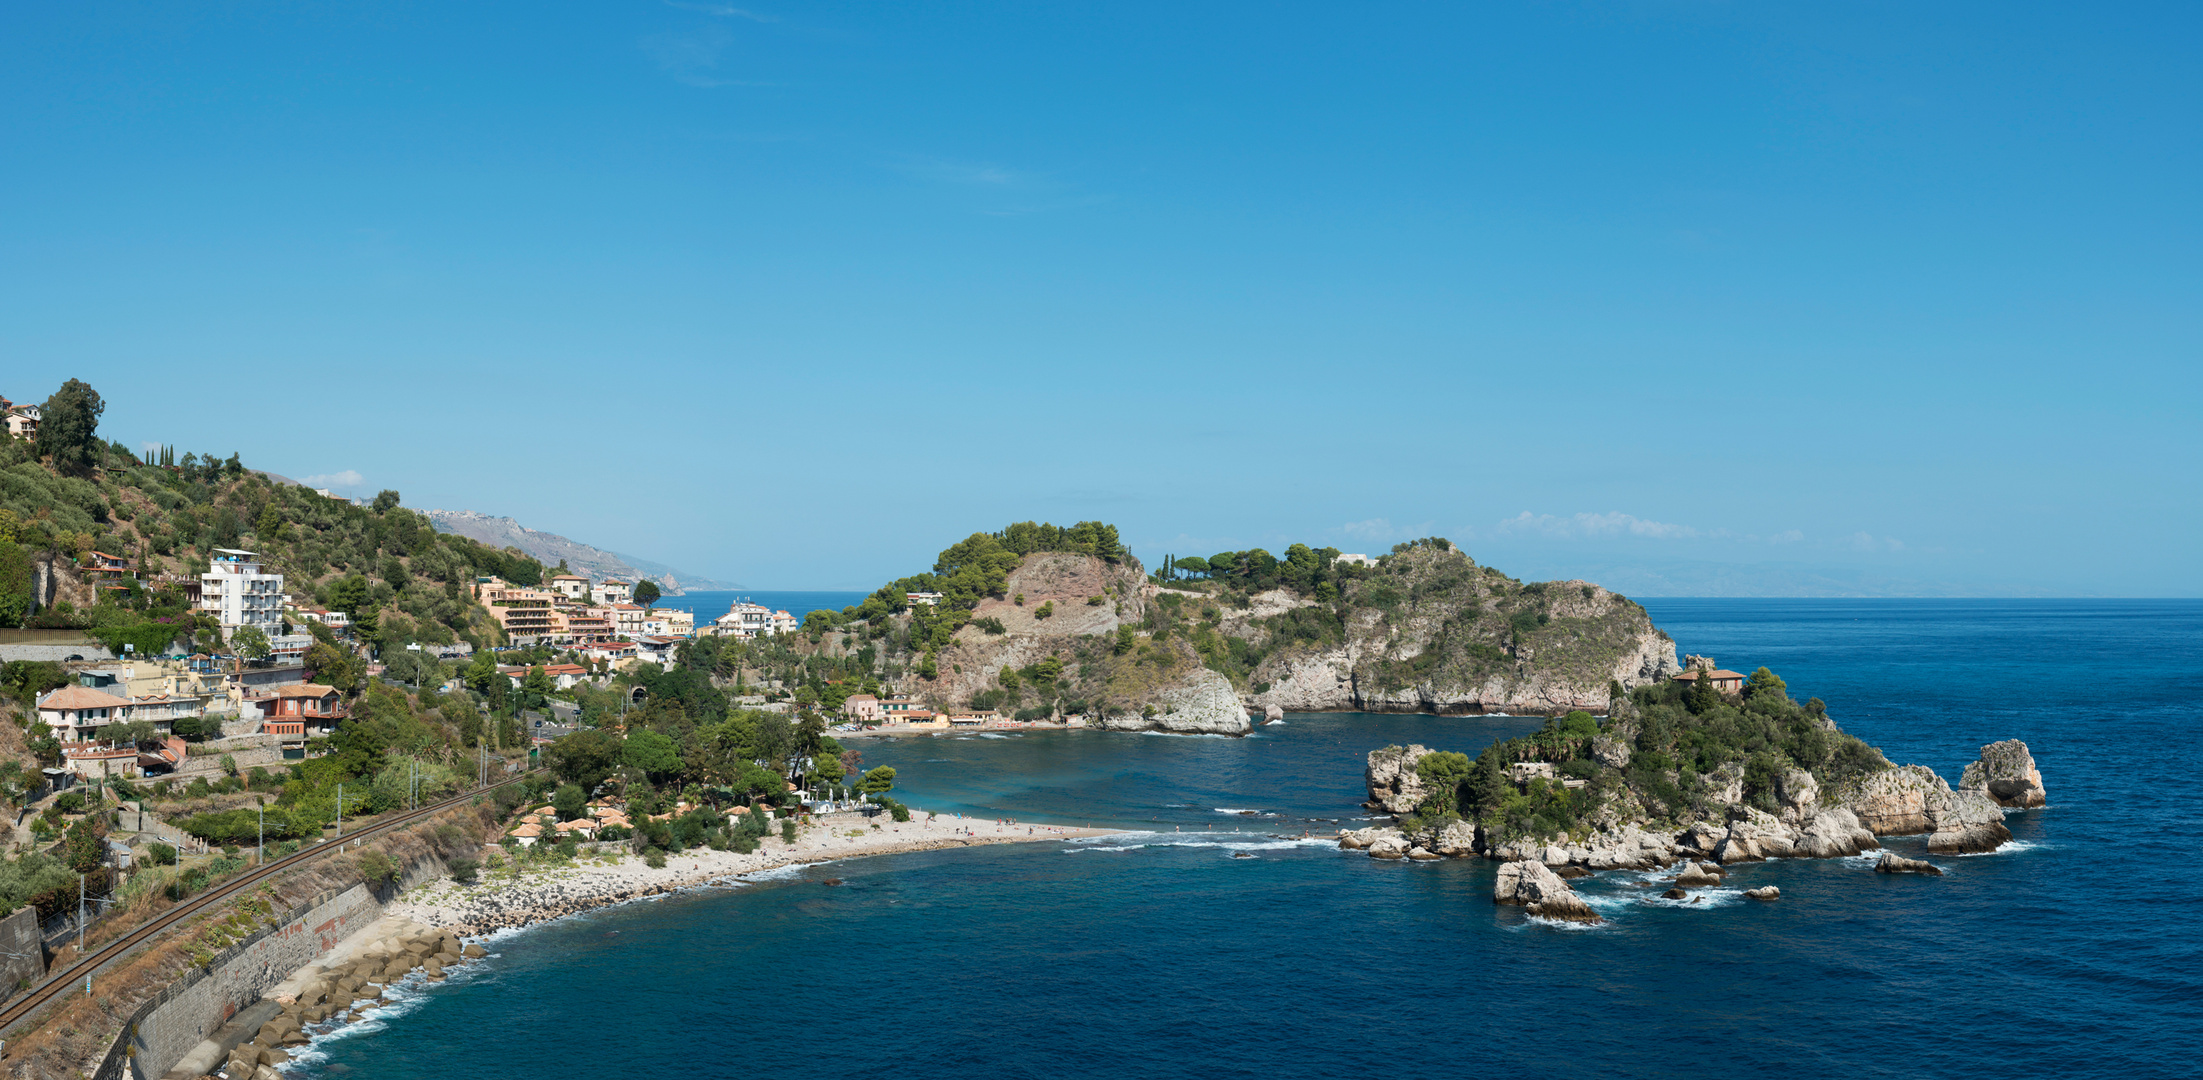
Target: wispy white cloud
347, 478
1612, 523
692, 57
1866, 541
1615, 524
1382, 530
723, 11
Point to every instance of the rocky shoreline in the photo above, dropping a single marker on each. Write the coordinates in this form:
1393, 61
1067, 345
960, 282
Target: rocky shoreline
485, 911
1907, 800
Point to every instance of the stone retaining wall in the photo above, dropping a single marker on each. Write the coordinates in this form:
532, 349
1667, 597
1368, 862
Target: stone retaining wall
22, 953
166, 1028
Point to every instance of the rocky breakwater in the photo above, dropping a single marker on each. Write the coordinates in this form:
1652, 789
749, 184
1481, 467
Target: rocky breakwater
343, 990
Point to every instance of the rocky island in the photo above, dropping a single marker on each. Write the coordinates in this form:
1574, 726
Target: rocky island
1045, 622
1681, 772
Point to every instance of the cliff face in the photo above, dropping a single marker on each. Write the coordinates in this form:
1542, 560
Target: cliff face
1430, 631
1148, 686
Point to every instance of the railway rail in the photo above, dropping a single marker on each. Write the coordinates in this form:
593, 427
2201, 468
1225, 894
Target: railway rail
59, 984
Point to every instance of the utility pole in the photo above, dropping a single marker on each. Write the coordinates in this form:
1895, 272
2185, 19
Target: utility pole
80, 914
263, 811
340, 815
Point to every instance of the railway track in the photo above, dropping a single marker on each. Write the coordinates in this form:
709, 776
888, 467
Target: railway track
58, 984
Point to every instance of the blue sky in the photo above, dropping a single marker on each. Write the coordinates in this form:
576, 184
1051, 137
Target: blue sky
1690, 298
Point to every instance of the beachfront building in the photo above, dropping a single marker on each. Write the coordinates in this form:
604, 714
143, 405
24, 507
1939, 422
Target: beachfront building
895, 709
238, 594
861, 709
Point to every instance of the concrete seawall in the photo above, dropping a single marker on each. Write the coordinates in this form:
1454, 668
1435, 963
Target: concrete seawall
166, 1028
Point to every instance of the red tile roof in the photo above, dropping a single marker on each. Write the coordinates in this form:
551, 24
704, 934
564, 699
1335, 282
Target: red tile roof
81, 697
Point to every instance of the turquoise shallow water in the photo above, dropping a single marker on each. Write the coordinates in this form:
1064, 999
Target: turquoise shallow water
2073, 952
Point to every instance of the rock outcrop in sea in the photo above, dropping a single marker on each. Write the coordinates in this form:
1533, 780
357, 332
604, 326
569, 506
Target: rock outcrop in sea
1537, 888
2006, 773
1805, 822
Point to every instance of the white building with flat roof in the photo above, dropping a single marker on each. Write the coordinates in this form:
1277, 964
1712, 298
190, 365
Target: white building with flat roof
237, 593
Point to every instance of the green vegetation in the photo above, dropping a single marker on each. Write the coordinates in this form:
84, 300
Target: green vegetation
1681, 744
71, 494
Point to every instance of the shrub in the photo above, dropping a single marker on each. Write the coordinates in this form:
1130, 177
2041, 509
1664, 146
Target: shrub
787, 831
1045, 611
376, 867
1096, 601
159, 854
654, 858
463, 870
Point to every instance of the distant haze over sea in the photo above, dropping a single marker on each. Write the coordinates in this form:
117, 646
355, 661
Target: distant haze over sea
709, 605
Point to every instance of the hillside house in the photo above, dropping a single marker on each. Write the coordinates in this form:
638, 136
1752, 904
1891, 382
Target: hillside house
1702, 667
615, 591
861, 708
22, 421
570, 586
76, 713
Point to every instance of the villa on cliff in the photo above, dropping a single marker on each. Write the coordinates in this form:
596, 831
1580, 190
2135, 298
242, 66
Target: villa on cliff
1702, 667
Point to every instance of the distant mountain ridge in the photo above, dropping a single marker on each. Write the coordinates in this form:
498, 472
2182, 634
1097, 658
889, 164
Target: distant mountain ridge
549, 548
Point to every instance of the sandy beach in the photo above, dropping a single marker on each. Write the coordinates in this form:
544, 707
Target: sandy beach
499, 900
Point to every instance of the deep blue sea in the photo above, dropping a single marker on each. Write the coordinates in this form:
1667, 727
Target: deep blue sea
707, 606
2075, 951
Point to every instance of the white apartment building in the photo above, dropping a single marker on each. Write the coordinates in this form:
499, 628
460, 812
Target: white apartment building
929, 599
745, 620
615, 591
570, 586
236, 593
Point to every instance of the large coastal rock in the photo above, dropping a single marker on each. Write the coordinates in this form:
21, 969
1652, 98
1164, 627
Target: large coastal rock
1892, 863
1832, 834
2006, 773
1204, 704
1754, 836
1894, 802
1536, 887
1966, 822
1394, 786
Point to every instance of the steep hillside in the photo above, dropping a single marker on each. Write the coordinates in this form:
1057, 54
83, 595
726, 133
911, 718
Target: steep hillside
1424, 630
550, 549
